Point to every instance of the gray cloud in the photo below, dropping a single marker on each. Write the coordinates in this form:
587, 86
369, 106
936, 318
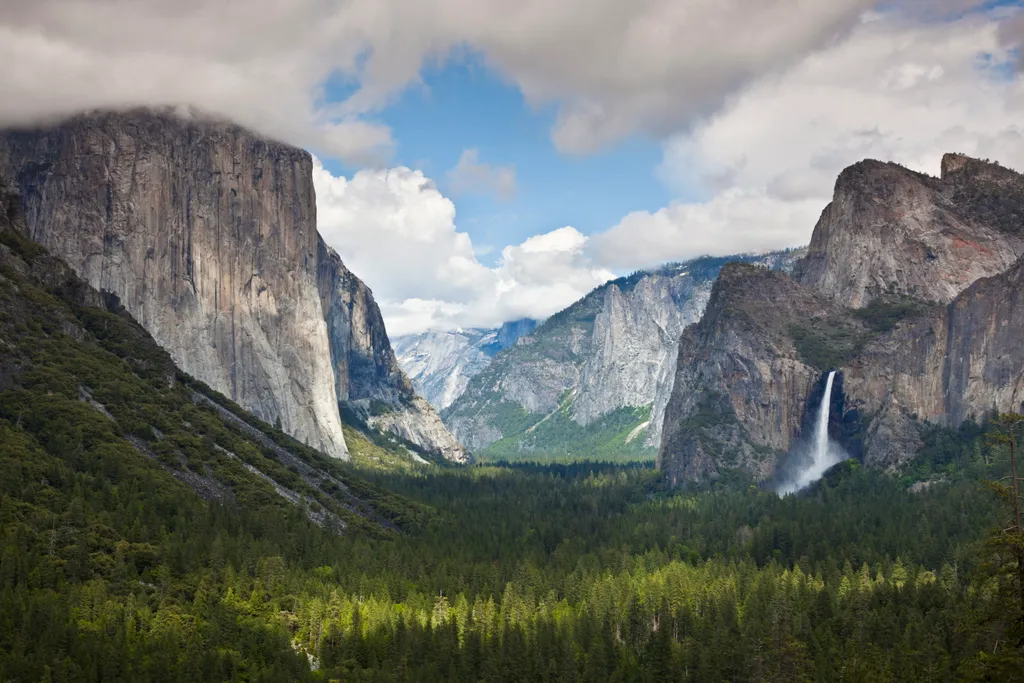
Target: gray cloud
261, 63
1011, 34
891, 90
940, 9
471, 175
614, 68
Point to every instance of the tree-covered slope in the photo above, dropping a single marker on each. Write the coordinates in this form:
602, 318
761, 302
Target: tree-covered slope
124, 480
152, 531
207, 233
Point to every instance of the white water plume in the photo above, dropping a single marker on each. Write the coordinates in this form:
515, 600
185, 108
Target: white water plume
820, 453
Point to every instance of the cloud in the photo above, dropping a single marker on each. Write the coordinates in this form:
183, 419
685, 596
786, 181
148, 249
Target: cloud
470, 175
652, 65
397, 231
760, 105
261, 64
892, 90
734, 221
1011, 34
612, 68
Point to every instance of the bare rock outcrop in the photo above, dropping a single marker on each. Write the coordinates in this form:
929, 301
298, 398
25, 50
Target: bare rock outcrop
606, 364
440, 363
741, 382
207, 234
957, 362
911, 288
367, 376
890, 230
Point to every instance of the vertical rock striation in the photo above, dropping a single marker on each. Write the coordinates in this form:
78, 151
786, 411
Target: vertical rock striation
208, 236
365, 367
957, 362
367, 376
634, 343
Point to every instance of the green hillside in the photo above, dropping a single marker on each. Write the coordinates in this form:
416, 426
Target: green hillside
557, 437
122, 479
150, 530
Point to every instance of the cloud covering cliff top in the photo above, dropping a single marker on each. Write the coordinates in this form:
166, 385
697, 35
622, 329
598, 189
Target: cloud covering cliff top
756, 106
612, 67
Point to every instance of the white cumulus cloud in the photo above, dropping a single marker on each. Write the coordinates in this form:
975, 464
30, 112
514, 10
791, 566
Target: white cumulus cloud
892, 90
397, 232
611, 67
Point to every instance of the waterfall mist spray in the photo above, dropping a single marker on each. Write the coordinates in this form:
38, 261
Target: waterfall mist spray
818, 454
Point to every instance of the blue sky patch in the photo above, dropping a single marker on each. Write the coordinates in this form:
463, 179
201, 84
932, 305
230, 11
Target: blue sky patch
466, 105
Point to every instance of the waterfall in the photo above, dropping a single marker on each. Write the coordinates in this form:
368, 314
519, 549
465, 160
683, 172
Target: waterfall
824, 453
820, 452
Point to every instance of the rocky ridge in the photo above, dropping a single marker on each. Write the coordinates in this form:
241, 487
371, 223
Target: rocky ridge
75, 362
891, 230
441, 363
905, 290
207, 234
741, 381
597, 373
368, 378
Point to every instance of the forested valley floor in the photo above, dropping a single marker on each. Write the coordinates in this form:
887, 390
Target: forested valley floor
520, 573
152, 531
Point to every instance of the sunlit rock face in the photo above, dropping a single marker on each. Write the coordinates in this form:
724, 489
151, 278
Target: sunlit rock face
207, 234
440, 363
614, 349
890, 230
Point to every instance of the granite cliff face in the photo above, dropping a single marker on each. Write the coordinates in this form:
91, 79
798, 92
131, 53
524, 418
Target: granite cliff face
365, 367
885, 295
367, 376
595, 375
957, 362
64, 344
440, 364
891, 230
509, 333
207, 234
741, 382
633, 340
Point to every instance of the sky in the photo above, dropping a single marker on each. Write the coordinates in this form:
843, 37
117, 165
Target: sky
478, 161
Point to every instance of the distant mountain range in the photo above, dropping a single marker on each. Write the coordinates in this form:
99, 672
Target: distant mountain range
441, 363
909, 289
206, 234
591, 381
